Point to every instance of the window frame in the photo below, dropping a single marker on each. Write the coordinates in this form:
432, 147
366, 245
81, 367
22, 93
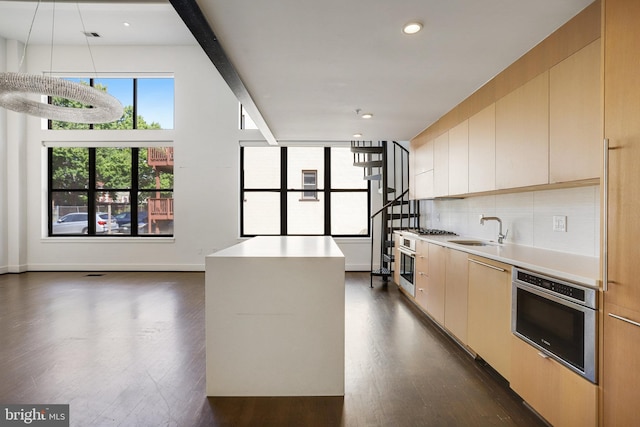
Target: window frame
92, 192
284, 191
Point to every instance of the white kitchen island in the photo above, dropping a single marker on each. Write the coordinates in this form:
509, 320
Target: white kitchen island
275, 318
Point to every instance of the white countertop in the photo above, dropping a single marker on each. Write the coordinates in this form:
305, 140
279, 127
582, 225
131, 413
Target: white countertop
576, 268
284, 246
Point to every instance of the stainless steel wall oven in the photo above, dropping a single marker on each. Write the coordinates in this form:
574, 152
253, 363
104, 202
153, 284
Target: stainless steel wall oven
407, 264
558, 318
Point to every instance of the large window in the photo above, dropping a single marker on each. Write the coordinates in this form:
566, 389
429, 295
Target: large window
302, 191
110, 191
148, 103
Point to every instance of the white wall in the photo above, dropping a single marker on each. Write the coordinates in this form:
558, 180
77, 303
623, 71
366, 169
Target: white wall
4, 249
528, 217
206, 170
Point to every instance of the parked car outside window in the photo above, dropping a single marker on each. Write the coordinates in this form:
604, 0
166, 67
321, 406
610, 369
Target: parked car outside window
77, 223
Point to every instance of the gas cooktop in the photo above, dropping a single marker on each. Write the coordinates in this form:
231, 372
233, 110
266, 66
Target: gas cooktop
431, 232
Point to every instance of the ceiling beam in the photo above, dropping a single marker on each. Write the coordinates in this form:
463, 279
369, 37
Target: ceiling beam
192, 16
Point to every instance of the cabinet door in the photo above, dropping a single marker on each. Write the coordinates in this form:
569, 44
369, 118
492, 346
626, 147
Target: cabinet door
422, 271
621, 367
441, 165
622, 128
489, 316
482, 150
436, 282
575, 124
561, 396
522, 135
459, 159
456, 292
423, 184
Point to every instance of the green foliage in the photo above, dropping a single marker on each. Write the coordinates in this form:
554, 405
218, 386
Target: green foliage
70, 165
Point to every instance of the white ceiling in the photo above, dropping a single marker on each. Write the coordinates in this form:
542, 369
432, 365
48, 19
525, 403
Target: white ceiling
310, 64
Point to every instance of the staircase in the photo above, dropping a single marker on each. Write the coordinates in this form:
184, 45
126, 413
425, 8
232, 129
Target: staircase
386, 164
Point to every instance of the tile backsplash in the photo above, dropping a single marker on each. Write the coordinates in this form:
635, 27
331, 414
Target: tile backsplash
528, 217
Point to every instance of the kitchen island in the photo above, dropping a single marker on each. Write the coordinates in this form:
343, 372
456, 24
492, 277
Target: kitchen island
275, 318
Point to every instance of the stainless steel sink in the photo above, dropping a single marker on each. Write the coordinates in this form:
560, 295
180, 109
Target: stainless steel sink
472, 242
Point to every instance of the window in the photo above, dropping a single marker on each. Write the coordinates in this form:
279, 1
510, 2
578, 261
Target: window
148, 103
309, 185
128, 191
277, 184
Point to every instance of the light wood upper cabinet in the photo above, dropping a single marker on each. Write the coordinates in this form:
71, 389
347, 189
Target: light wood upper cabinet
424, 157
482, 150
575, 124
489, 313
562, 397
522, 135
459, 159
441, 165
456, 293
421, 172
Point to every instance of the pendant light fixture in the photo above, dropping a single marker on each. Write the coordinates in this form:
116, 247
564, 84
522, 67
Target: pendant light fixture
15, 89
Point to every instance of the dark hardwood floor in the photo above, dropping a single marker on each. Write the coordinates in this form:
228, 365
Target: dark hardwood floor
127, 349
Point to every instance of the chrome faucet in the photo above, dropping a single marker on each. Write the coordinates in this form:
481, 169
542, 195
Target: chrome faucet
501, 236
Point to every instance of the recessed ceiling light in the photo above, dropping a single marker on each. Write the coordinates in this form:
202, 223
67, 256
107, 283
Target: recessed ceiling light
126, 24
357, 135
367, 115
412, 27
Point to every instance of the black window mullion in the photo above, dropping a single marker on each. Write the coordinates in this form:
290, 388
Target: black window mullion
50, 185
327, 191
283, 192
91, 202
135, 103
133, 194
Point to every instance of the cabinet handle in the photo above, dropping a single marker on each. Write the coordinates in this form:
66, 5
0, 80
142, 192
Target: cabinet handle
624, 319
487, 265
544, 356
605, 216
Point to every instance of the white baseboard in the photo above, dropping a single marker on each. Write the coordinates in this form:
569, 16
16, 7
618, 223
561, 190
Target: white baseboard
116, 267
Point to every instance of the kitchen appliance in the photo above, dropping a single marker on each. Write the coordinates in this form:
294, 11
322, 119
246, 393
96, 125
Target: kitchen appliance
432, 232
407, 264
558, 318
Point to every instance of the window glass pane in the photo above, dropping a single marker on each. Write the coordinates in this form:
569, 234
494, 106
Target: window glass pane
305, 216
70, 168
261, 213
155, 212
106, 222
304, 158
245, 120
113, 168
122, 89
343, 174
349, 213
68, 103
155, 168
69, 212
262, 167
155, 103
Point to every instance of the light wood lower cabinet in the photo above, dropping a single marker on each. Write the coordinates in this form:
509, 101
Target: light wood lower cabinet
430, 279
422, 271
489, 321
621, 367
456, 294
561, 396
436, 282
